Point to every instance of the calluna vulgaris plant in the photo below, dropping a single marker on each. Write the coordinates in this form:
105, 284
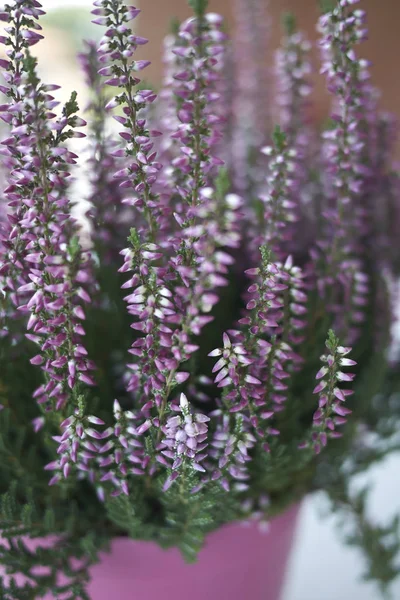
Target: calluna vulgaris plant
188, 365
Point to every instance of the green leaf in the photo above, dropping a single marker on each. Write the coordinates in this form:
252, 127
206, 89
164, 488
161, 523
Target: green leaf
265, 252
289, 23
279, 138
71, 106
174, 25
74, 247
327, 6
199, 7
222, 183
26, 515
49, 519
30, 66
332, 342
134, 238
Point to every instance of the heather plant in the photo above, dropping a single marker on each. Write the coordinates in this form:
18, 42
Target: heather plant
219, 344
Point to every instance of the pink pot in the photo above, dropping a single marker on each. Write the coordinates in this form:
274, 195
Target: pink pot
237, 562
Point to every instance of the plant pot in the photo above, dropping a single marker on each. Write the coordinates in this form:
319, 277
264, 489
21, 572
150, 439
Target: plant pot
237, 562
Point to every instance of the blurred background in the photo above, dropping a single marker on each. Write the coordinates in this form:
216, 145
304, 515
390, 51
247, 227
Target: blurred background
321, 567
67, 23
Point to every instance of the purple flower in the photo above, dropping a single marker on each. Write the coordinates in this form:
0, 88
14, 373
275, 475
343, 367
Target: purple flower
344, 157
185, 441
46, 269
293, 69
251, 369
279, 209
229, 454
198, 63
151, 303
123, 454
115, 50
22, 20
76, 450
331, 412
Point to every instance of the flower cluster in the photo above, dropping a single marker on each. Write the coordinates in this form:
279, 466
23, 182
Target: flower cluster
42, 246
117, 47
77, 445
199, 52
197, 265
343, 150
123, 454
293, 70
295, 298
280, 196
22, 18
230, 453
253, 367
331, 412
185, 438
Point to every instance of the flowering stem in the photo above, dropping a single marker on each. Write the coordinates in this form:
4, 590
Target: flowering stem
133, 117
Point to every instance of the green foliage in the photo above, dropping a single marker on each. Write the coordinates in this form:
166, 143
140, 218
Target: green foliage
30, 66
327, 6
189, 517
176, 518
174, 25
380, 543
22, 519
134, 238
53, 560
289, 23
71, 106
69, 111
133, 514
265, 252
279, 138
222, 183
199, 7
284, 472
332, 341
